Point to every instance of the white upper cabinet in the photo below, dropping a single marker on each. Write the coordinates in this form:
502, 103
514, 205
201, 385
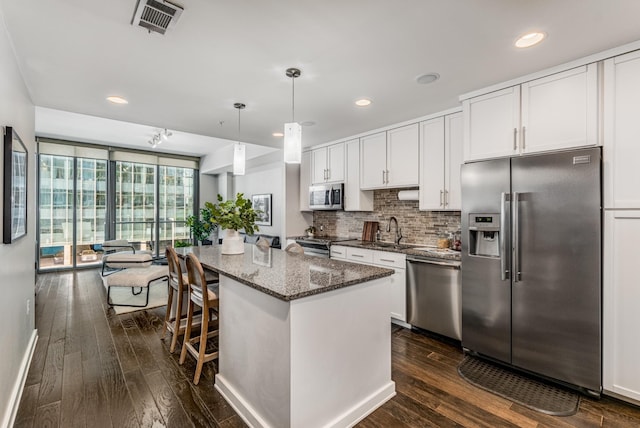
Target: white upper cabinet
622, 131
373, 161
491, 124
560, 111
305, 180
402, 156
390, 159
327, 164
354, 198
555, 112
440, 159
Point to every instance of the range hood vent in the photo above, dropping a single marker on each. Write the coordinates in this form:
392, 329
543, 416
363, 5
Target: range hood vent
156, 15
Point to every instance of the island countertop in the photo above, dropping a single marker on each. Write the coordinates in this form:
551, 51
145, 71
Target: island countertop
286, 276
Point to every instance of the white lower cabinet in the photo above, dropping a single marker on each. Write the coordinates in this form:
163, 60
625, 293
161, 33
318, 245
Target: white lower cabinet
621, 299
395, 261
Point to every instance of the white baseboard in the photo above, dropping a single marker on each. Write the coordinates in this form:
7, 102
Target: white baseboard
11, 410
363, 409
242, 408
348, 419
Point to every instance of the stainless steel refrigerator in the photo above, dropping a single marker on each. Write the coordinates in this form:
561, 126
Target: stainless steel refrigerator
531, 264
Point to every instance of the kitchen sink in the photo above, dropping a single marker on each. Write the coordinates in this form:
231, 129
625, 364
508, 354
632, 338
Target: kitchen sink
387, 245
436, 250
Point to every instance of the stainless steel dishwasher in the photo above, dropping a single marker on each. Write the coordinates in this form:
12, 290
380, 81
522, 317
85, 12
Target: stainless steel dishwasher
434, 295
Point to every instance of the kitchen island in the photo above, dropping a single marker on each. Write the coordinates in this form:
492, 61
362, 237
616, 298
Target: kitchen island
304, 341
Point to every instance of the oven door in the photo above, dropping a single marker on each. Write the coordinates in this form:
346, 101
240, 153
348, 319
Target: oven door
315, 249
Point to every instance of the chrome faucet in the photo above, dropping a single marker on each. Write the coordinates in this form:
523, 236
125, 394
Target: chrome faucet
398, 230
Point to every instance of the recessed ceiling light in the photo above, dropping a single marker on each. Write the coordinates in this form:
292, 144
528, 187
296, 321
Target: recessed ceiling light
529, 39
363, 102
425, 79
307, 123
278, 134
117, 100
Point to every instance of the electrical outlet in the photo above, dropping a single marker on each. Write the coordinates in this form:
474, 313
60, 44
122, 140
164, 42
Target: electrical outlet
28, 306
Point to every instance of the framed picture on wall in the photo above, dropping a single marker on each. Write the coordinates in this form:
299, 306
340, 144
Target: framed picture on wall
263, 204
14, 207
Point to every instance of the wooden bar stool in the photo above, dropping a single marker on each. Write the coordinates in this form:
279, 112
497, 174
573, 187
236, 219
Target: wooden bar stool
199, 295
176, 324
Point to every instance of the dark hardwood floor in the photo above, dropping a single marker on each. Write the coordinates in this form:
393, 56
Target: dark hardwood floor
93, 368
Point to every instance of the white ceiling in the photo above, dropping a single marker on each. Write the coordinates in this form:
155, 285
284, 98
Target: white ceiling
74, 53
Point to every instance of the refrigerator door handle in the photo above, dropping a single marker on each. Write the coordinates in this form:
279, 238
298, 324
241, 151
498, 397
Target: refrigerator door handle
504, 271
516, 237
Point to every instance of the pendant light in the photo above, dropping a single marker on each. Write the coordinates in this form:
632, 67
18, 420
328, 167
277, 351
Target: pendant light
293, 130
239, 155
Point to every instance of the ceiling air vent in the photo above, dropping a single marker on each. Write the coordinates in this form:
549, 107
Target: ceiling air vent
156, 15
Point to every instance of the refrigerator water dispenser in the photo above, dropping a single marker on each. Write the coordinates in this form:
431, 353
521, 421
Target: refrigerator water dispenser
484, 235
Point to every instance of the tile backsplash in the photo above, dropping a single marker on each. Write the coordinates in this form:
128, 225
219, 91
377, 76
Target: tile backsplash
418, 227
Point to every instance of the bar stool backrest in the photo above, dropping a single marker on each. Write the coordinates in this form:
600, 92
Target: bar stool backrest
175, 270
197, 282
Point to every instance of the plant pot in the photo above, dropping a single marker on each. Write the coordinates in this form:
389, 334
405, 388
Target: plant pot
232, 243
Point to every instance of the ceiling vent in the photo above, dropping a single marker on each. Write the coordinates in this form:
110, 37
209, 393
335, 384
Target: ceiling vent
156, 15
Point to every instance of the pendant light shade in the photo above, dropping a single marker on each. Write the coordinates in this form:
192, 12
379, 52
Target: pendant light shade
293, 130
239, 159
292, 142
239, 152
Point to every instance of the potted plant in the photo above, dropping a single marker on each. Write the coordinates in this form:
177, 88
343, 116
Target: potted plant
311, 231
201, 227
233, 215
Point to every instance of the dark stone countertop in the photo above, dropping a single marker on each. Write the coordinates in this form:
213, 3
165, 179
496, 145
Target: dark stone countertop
286, 276
408, 249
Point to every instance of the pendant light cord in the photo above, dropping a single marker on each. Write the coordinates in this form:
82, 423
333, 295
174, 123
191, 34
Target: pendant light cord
239, 125
293, 99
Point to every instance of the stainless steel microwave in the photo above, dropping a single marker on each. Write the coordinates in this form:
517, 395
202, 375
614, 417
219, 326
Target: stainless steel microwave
326, 196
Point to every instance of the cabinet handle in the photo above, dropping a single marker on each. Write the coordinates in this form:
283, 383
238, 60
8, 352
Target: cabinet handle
383, 179
328, 174
387, 260
515, 138
446, 198
338, 252
357, 255
387, 176
524, 128
441, 201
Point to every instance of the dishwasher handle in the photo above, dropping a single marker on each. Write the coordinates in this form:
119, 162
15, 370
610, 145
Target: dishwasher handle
452, 264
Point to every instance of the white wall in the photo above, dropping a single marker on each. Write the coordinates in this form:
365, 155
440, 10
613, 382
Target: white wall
296, 221
266, 179
17, 261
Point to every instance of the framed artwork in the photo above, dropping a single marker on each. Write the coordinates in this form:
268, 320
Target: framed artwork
14, 218
262, 203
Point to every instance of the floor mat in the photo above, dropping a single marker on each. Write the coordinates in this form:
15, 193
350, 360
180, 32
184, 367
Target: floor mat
531, 393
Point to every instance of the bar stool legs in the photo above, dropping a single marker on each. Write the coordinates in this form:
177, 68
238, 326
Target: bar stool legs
199, 295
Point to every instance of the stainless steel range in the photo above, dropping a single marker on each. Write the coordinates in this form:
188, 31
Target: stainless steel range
318, 246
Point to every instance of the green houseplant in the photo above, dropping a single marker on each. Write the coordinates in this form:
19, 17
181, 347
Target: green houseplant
201, 227
233, 215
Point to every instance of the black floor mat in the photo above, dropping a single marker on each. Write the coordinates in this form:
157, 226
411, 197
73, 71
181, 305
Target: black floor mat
531, 393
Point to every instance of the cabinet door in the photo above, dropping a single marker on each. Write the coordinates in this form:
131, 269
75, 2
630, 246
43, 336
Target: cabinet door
399, 295
338, 252
305, 180
491, 124
452, 161
335, 163
621, 294
373, 161
432, 161
319, 165
622, 131
560, 111
354, 198
402, 156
